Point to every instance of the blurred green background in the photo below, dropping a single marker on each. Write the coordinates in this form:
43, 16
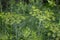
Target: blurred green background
29, 20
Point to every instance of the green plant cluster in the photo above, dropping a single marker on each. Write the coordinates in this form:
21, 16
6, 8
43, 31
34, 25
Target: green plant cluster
33, 21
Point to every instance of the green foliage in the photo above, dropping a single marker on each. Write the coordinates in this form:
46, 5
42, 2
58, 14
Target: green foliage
32, 21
